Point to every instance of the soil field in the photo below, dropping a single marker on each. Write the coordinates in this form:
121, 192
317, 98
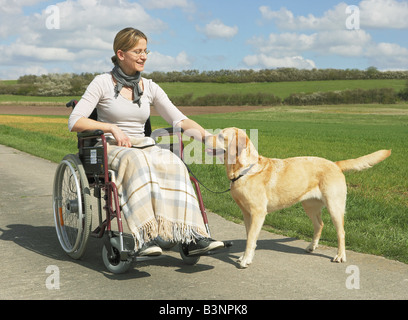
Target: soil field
63, 111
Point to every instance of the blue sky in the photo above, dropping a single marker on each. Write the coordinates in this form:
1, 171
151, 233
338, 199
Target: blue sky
38, 37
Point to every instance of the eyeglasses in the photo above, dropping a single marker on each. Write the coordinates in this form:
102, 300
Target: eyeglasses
138, 53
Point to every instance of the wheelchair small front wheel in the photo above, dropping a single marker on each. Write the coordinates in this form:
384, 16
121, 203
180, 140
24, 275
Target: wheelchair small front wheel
190, 260
113, 262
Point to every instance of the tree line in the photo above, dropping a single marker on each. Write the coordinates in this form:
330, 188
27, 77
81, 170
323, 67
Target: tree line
49, 85
274, 75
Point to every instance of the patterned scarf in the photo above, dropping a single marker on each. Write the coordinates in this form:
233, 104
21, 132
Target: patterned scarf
123, 80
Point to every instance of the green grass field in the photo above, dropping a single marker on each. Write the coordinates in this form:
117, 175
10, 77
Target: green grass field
377, 207
279, 89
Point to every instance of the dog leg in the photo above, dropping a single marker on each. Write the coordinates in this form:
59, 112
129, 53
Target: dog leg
255, 222
313, 210
336, 211
341, 250
247, 222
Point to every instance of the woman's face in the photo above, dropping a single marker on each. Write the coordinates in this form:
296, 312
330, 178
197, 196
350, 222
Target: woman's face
133, 60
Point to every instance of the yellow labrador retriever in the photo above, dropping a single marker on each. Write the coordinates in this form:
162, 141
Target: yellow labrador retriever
261, 185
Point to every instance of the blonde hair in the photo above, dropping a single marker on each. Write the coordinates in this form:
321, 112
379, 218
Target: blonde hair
125, 40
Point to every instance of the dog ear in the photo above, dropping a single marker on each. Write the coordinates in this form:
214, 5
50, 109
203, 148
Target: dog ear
242, 141
237, 143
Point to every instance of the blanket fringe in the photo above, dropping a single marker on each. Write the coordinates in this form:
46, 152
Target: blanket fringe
168, 231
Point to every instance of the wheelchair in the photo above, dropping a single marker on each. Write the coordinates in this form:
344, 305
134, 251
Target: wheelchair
84, 178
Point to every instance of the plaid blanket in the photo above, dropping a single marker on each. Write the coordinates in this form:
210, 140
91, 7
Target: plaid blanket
156, 194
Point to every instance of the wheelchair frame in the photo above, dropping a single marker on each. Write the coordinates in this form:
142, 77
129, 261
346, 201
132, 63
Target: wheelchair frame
74, 179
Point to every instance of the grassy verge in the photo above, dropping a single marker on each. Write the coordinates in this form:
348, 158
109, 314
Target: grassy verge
377, 207
42, 136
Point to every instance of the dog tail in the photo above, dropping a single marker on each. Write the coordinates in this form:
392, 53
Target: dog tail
364, 162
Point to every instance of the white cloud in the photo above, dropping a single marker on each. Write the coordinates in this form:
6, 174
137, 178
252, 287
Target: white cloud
265, 61
216, 29
84, 39
285, 19
288, 47
382, 14
98, 64
342, 42
387, 56
284, 44
77, 15
331, 37
168, 4
16, 6
30, 56
164, 63
27, 51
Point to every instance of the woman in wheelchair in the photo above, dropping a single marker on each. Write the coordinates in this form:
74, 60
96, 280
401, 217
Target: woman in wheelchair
156, 194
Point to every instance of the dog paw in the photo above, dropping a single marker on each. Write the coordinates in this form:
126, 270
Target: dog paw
311, 247
340, 258
243, 262
243, 265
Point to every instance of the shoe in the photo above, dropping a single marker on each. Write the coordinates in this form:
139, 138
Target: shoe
150, 249
204, 245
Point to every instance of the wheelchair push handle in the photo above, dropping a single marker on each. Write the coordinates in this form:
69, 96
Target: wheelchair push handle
71, 104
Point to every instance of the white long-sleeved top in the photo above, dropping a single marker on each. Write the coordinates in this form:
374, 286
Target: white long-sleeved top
128, 116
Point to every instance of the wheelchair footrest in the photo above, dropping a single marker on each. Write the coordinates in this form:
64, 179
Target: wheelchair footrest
127, 255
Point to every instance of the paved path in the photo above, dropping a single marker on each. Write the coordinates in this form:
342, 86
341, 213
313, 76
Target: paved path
281, 268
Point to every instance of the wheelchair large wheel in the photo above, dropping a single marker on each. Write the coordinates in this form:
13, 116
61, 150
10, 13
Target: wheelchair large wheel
72, 209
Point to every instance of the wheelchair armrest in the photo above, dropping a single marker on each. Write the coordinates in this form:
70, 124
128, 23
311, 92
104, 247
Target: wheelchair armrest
92, 133
162, 132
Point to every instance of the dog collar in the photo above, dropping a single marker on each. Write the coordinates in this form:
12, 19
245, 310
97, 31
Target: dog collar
243, 173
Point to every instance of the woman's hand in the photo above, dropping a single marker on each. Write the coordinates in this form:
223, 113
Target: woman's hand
122, 139
88, 124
